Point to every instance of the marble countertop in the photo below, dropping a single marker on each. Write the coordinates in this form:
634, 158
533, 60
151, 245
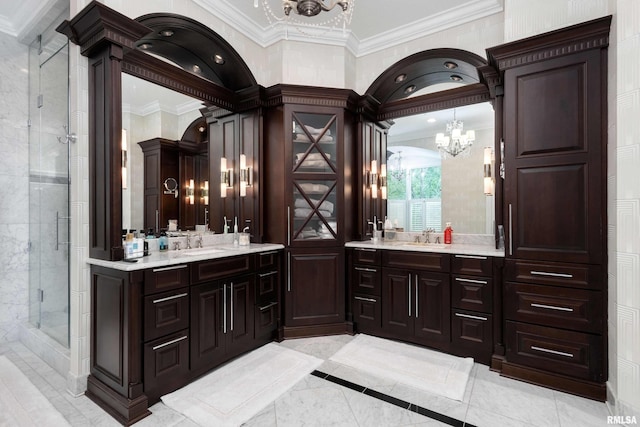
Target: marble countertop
165, 259
455, 248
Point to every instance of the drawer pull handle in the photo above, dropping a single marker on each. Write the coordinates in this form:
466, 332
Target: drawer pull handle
545, 273
169, 343
174, 267
468, 316
482, 282
365, 250
370, 270
267, 306
268, 253
551, 307
470, 256
271, 273
546, 350
365, 299
155, 301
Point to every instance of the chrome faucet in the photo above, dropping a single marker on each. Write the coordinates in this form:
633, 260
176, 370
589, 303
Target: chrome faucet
176, 246
199, 241
188, 240
427, 234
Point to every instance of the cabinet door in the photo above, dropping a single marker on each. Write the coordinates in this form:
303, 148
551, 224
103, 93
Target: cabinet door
367, 313
315, 287
316, 184
432, 306
208, 326
553, 159
240, 313
398, 307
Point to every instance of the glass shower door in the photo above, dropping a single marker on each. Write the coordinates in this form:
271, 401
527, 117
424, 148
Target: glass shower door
49, 189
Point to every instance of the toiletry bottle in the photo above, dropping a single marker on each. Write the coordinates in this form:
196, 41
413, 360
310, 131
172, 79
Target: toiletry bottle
163, 245
447, 233
236, 240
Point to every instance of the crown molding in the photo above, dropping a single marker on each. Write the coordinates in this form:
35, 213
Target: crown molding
470, 11
266, 36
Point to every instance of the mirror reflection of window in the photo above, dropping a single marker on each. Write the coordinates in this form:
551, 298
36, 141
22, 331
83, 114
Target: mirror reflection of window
427, 188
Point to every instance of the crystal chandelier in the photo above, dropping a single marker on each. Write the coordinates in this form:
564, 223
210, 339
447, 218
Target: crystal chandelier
307, 9
394, 166
455, 142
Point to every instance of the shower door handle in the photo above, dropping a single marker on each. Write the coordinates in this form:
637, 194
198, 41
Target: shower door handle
58, 218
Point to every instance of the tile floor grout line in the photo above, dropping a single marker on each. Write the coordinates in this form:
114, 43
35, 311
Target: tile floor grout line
393, 401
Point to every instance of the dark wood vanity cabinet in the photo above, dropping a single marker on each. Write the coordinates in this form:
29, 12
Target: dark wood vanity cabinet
555, 207
267, 294
365, 289
222, 321
416, 301
472, 288
444, 301
155, 330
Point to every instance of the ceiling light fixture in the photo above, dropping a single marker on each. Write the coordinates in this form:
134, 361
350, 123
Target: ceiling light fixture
455, 142
456, 78
450, 65
394, 166
166, 33
305, 9
218, 58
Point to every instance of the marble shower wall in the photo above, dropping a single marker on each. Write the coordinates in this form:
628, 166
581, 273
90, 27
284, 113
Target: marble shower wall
14, 180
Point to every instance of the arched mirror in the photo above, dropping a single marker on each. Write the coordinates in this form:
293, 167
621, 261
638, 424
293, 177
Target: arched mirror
440, 148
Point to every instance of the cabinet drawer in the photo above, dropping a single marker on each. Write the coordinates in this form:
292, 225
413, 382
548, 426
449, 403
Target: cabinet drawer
365, 280
565, 352
472, 293
166, 364
366, 256
218, 268
266, 318
549, 273
471, 330
477, 265
166, 278
267, 286
565, 308
367, 313
166, 313
416, 260
268, 260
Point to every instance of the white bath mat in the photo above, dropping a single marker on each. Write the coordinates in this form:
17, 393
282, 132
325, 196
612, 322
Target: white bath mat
237, 391
421, 368
21, 403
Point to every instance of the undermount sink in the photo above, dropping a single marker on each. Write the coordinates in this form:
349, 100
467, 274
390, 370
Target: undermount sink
198, 251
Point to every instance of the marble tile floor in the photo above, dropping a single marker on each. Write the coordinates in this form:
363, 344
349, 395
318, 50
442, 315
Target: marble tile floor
489, 401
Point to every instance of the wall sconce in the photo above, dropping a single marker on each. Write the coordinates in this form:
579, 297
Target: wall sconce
226, 177
383, 181
373, 179
377, 180
205, 192
190, 193
246, 175
488, 178
123, 147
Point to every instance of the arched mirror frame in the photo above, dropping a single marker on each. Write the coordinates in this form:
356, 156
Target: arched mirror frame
110, 40
424, 69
